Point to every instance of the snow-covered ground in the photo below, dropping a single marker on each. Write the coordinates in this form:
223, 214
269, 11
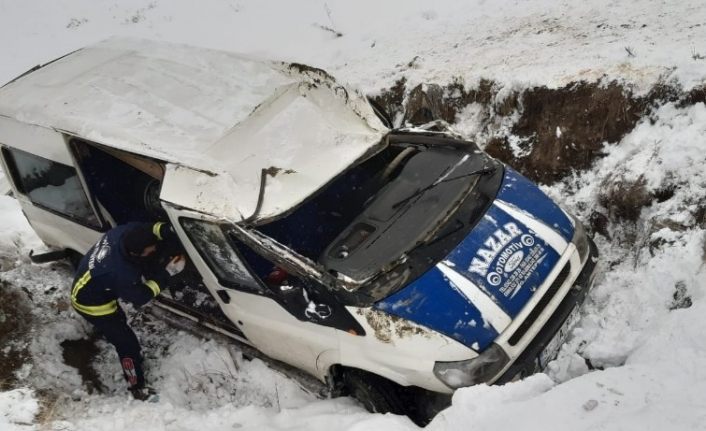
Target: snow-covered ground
548, 42
641, 329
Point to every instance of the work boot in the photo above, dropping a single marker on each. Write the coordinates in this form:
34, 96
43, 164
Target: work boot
144, 393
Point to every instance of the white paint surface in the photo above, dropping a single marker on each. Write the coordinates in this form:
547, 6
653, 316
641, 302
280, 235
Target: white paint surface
490, 310
226, 114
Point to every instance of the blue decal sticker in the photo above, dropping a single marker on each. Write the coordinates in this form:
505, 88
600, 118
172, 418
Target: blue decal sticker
502, 257
526, 196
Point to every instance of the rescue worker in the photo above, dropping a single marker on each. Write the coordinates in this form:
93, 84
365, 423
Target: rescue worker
124, 264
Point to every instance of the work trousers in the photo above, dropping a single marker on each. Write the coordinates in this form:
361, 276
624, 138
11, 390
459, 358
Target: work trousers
115, 329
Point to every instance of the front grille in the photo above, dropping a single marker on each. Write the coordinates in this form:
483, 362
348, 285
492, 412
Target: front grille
548, 295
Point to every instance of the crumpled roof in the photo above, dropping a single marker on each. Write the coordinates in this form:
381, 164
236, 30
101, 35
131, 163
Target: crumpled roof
221, 119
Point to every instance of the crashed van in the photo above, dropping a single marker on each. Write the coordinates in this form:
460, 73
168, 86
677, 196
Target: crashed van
381, 261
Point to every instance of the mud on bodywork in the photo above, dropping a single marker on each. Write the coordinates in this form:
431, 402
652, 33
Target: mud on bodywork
317, 75
387, 327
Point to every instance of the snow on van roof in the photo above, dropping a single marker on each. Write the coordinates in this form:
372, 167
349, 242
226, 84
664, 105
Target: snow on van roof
223, 120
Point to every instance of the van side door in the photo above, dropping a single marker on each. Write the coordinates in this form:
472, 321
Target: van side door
246, 300
48, 186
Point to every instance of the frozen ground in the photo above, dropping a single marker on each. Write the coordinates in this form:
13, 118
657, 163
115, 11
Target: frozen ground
637, 358
372, 44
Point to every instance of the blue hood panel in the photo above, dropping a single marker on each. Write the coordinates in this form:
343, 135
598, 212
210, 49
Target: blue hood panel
525, 195
433, 302
488, 278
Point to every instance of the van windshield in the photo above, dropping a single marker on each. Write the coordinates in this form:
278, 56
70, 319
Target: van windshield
366, 221
406, 212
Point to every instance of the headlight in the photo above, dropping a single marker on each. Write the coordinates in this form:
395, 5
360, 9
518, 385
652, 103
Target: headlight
580, 239
472, 371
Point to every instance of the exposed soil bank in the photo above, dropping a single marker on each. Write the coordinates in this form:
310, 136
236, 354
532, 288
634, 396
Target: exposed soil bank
553, 131
545, 133
15, 324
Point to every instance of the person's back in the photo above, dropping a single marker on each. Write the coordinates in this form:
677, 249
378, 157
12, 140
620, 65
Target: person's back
105, 274
121, 266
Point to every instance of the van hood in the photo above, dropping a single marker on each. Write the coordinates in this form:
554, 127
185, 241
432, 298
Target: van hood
482, 285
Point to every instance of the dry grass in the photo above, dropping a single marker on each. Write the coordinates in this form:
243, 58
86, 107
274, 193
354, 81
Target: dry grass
48, 408
624, 199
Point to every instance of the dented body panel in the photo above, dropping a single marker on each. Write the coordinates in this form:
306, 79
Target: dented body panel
326, 240
214, 112
401, 350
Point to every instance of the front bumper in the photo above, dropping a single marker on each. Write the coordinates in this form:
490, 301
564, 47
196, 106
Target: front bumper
528, 362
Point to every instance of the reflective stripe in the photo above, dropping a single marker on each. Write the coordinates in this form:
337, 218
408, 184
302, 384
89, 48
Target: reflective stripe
96, 310
154, 287
155, 229
91, 310
85, 278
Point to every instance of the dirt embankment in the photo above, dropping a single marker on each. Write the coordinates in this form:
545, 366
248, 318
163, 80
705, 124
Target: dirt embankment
547, 134
15, 326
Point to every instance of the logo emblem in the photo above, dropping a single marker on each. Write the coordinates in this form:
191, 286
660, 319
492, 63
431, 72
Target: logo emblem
508, 258
514, 261
102, 253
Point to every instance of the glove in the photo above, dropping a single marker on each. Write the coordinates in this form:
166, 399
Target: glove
277, 276
176, 265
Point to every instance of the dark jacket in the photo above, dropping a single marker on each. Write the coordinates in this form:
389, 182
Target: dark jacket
107, 273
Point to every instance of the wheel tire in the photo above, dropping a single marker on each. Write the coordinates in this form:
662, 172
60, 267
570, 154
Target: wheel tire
377, 394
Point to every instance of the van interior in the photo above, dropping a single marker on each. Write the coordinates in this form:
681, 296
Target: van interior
124, 186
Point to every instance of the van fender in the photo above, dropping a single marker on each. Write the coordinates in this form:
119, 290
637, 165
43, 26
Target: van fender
397, 349
327, 360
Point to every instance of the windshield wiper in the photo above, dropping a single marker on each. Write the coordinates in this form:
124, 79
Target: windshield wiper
482, 171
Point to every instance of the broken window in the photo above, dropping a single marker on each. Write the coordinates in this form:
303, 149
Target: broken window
220, 256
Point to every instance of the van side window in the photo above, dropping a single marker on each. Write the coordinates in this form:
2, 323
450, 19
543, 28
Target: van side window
220, 256
51, 185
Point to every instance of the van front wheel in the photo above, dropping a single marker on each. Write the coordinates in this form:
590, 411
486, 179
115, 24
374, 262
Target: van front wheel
377, 394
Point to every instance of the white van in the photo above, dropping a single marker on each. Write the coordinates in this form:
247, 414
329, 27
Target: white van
382, 262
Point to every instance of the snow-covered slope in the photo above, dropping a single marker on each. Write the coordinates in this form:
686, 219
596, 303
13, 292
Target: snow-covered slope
372, 44
636, 359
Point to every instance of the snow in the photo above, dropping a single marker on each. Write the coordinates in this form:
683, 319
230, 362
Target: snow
529, 41
18, 409
16, 235
636, 358
202, 384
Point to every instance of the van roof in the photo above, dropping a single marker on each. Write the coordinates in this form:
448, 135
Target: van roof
222, 120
